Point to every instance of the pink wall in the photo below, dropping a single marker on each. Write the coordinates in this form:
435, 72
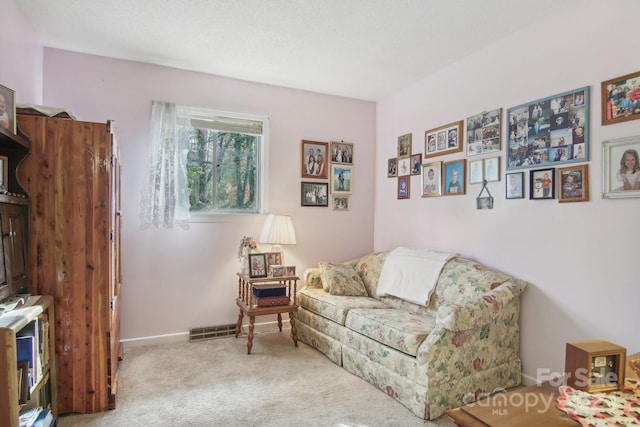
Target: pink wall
581, 259
175, 279
21, 65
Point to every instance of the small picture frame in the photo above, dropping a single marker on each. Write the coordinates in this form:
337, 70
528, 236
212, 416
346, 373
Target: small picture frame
273, 258
514, 182
541, 184
416, 161
290, 270
276, 270
4, 173
621, 99
314, 159
476, 171
392, 168
621, 168
404, 146
341, 179
314, 194
454, 178
340, 203
257, 265
404, 187
573, 184
483, 132
342, 152
432, 179
8, 113
446, 139
492, 169
404, 166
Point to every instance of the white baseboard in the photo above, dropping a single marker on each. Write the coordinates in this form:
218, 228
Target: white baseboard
259, 328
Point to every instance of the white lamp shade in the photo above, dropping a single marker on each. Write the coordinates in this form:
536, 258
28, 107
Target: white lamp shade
278, 230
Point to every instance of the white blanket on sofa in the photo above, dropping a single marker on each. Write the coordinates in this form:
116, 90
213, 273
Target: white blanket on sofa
412, 274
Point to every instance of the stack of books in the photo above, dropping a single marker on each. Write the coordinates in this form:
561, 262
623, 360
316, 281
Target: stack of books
269, 295
36, 417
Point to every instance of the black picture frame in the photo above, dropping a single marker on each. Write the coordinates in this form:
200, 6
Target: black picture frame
542, 184
257, 265
314, 194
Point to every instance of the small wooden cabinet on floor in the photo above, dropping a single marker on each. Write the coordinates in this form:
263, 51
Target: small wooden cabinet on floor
73, 177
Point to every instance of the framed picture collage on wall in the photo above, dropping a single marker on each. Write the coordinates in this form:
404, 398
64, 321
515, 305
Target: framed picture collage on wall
332, 164
550, 136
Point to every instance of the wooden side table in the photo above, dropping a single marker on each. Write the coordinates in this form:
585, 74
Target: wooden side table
247, 307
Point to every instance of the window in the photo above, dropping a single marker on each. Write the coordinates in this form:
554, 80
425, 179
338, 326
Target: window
226, 162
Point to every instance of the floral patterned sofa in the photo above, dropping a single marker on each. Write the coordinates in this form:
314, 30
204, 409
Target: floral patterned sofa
463, 343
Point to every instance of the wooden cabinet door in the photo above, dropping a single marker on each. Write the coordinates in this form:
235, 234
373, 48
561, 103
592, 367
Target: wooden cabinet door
14, 270
4, 254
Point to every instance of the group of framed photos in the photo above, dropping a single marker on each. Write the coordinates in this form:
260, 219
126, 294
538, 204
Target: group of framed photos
269, 264
541, 135
338, 171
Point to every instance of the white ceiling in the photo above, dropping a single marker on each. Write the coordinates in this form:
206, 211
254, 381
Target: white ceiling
364, 49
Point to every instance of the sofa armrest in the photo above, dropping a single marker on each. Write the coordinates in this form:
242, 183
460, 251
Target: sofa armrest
475, 313
311, 278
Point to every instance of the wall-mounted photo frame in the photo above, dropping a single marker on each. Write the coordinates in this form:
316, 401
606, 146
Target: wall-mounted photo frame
404, 187
476, 171
404, 146
404, 166
416, 162
341, 179
483, 133
392, 168
542, 184
446, 139
314, 194
340, 203
342, 152
514, 182
432, 179
491, 167
4, 173
257, 265
454, 178
314, 159
621, 99
549, 131
8, 109
573, 184
621, 168
273, 258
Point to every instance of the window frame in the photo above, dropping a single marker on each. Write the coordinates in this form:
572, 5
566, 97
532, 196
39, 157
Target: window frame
262, 198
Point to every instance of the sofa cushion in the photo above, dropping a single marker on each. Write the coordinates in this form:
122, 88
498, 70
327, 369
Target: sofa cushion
333, 307
342, 279
396, 328
369, 268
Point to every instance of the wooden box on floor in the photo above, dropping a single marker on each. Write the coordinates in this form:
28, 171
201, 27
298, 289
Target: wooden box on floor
73, 178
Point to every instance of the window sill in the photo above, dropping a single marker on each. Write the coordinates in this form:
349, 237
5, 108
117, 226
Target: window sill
236, 218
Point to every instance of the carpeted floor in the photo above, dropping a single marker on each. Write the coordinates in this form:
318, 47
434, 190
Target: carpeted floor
215, 383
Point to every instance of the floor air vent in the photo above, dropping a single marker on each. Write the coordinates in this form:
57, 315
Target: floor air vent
210, 332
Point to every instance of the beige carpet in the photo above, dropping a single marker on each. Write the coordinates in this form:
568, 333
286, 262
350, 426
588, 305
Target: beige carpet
215, 383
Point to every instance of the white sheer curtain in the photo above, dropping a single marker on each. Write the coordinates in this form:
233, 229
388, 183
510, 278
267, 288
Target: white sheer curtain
165, 196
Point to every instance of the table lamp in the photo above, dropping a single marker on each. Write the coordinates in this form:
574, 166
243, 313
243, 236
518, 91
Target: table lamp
278, 230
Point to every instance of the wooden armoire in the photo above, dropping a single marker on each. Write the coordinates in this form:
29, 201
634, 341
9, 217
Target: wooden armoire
73, 177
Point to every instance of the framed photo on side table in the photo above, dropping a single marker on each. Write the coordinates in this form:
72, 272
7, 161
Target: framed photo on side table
257, 265
621, 168
542, 184
8, 113
573, 184
621, 99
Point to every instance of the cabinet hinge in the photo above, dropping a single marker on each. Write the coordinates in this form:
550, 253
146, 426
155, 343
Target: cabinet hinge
111, 304
111, 236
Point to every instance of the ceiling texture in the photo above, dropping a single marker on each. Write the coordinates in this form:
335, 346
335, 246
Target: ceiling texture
363, 49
